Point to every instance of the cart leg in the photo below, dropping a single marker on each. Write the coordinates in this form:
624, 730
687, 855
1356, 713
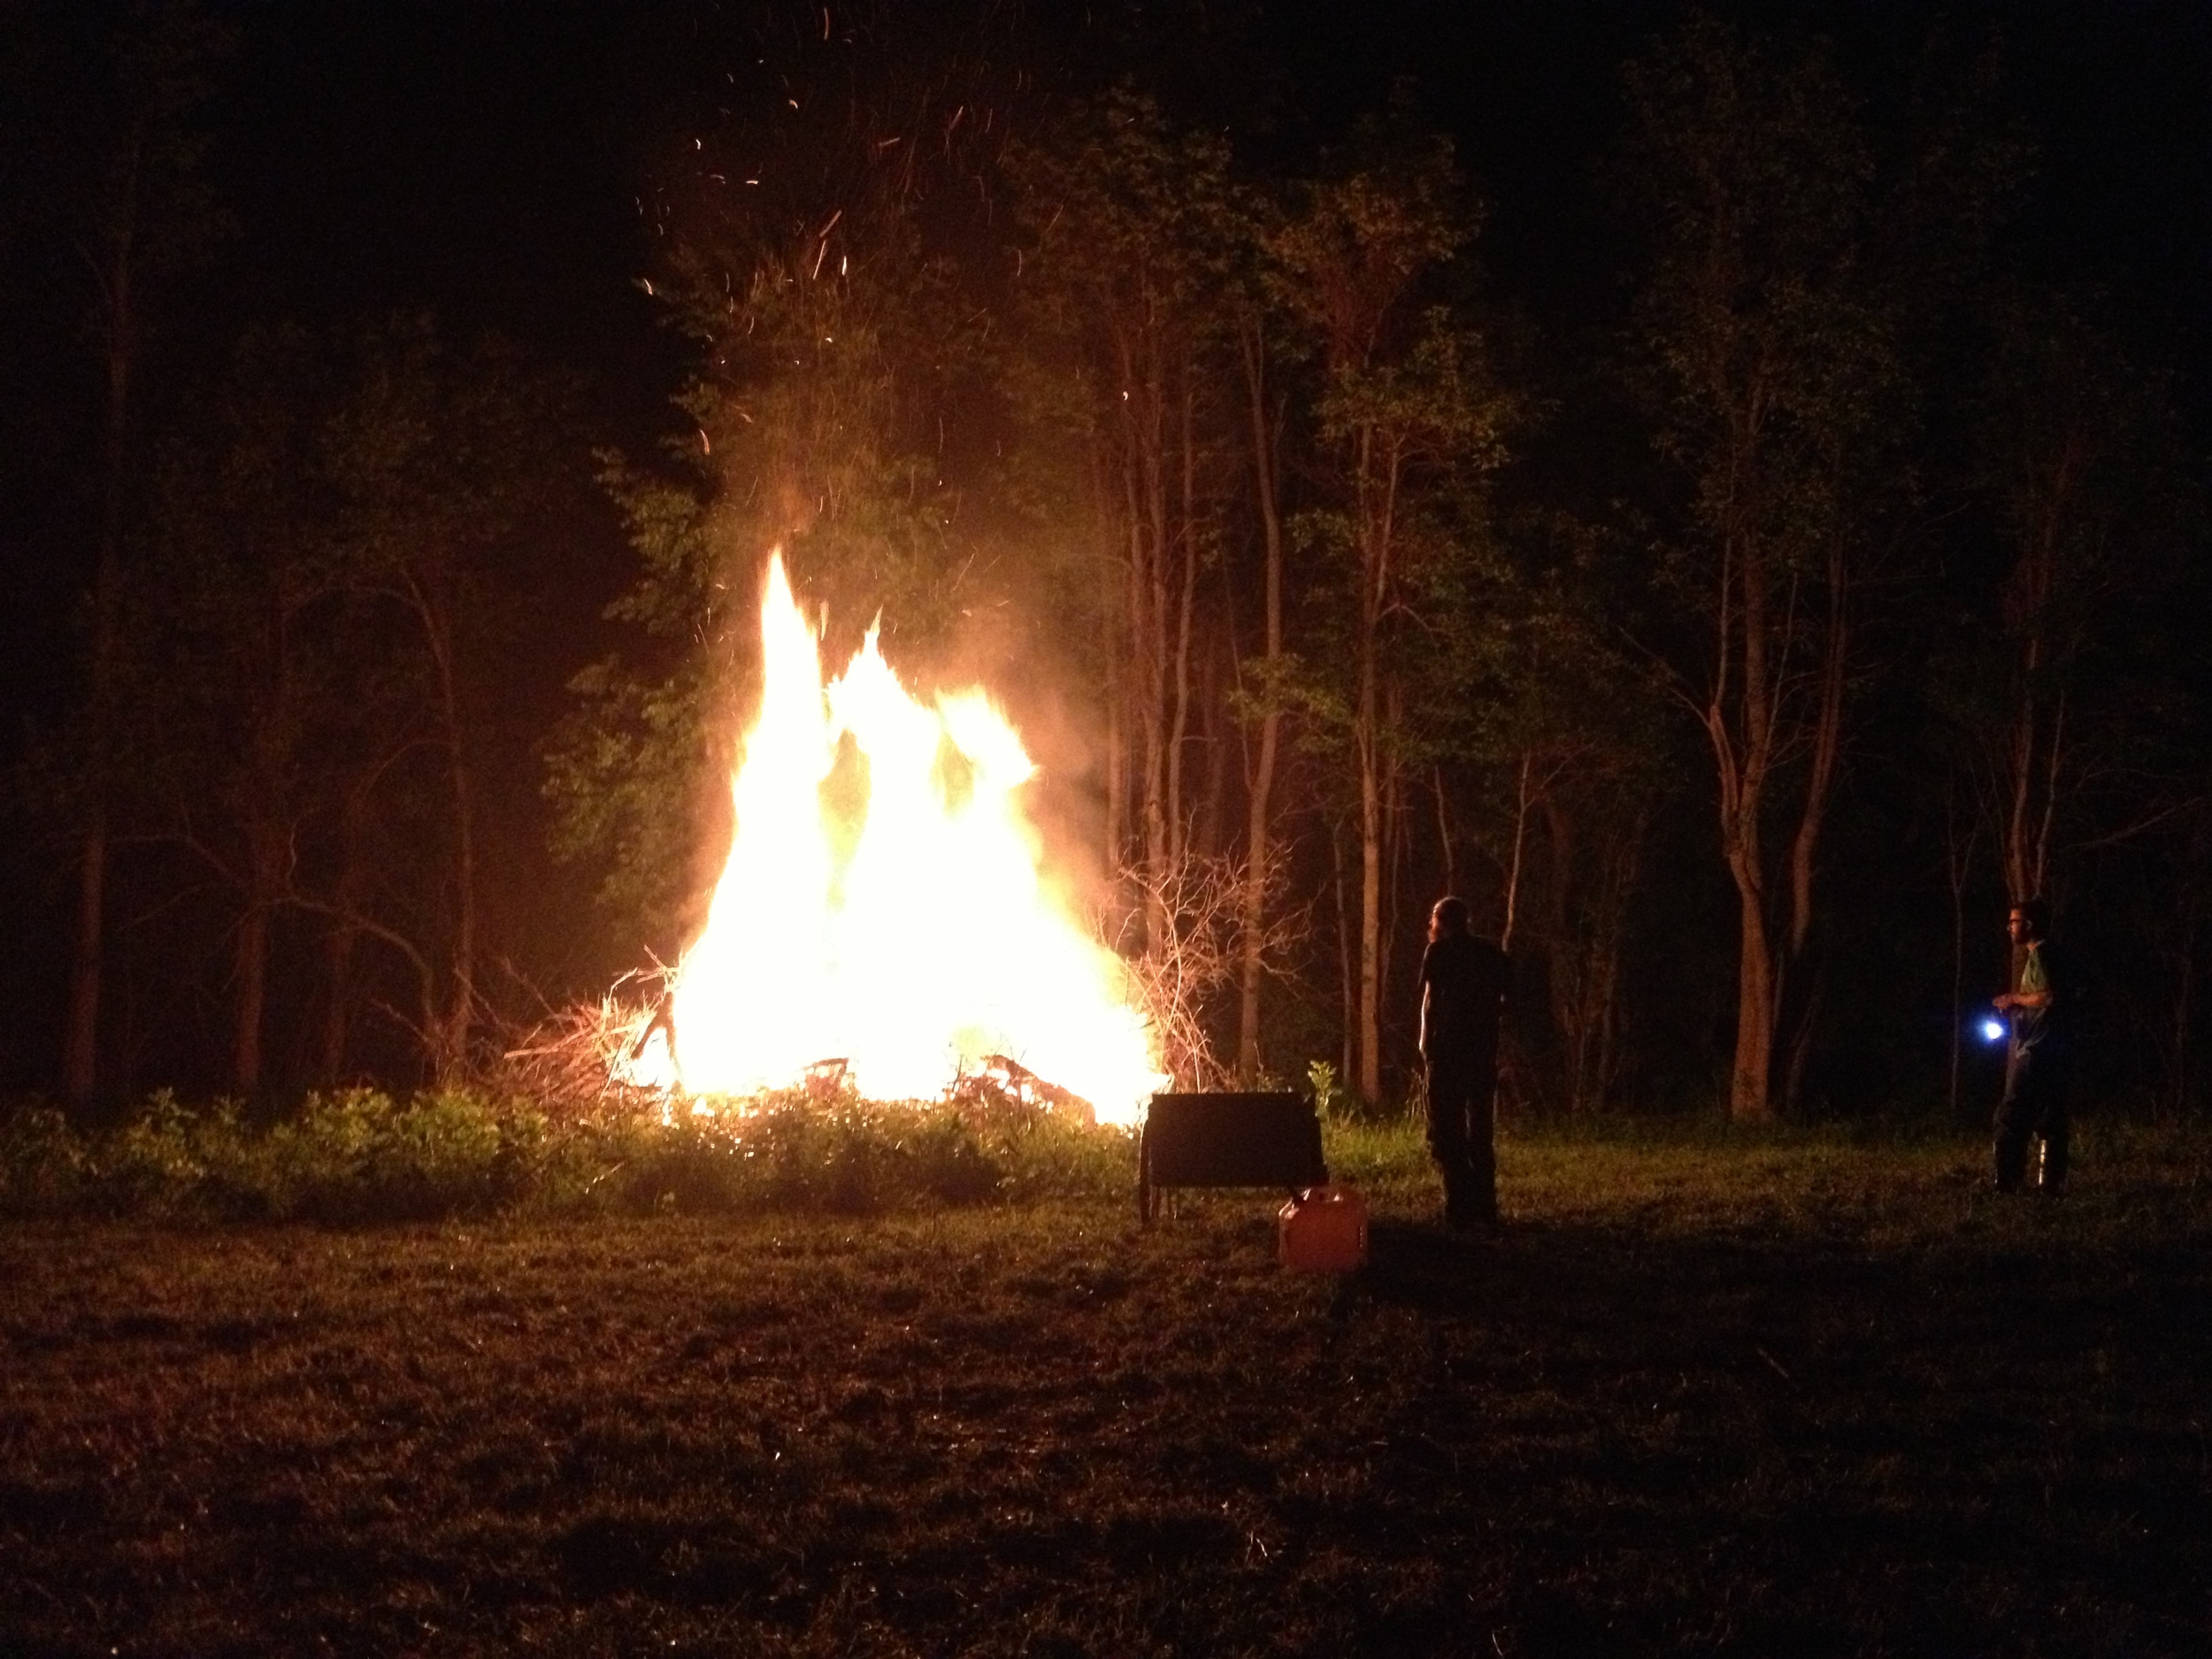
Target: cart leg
1147, 1195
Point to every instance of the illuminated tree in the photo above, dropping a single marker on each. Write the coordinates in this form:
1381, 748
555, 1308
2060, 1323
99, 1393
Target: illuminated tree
1550, 760
1133, 237
1407, 422
312, 651
1767, 315
1267, 407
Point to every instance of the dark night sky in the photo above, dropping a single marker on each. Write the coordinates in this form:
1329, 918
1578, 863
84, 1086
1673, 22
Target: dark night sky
478, 160
483, 161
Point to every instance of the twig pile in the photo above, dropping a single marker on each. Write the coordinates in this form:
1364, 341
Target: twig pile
585, 1058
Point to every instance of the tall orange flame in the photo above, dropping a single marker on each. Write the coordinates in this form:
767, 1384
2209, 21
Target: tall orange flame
905, 927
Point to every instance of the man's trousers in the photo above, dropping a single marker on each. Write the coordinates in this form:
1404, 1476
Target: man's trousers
2037, 1080
1463, 1121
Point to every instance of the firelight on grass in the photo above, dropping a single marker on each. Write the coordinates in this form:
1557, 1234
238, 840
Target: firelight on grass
885, 902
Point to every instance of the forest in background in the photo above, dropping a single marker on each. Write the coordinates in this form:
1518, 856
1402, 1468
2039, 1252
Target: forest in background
1737, 626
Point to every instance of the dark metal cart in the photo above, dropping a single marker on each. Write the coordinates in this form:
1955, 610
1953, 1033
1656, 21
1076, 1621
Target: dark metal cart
1226, 1139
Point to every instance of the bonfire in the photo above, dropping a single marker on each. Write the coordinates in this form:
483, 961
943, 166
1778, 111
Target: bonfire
886, 922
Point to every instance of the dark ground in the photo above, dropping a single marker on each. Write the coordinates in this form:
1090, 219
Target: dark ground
1760, 1398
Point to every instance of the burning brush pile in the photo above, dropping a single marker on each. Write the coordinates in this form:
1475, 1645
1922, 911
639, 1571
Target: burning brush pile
884, 928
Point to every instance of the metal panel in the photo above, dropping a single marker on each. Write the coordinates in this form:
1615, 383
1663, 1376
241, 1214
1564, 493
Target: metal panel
1228, 1140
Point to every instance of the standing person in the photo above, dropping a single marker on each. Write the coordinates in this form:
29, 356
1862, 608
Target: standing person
1464, 982
2038, 1059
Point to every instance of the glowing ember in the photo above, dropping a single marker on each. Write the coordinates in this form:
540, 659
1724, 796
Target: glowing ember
882, 906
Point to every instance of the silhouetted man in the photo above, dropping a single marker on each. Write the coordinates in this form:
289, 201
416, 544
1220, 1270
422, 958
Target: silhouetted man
2039, 1060
1464, 982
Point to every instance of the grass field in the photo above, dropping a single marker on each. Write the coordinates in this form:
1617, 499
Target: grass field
1704, 1395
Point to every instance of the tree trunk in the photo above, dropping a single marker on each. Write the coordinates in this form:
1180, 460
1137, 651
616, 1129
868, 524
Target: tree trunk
1260, 785
453, 1032
1376, 478
1212, 742
2028, 609
1186, 604
1740, 721
1827, 746
1347, 978
250, 992
1115, 845
1113, 595
81, 1060
1145, 502
1569, 957
1444, 841
1802, 1031
1803, 1011
2035, 761
1258, 853
1605, 976
340, 943
2019, 861
1749, 1096
1371, 829
461, 1017
1520, 836
81, 1063
1586, 951
1594, 1087
1397, 843
1758, 977
338, 948
249, 1000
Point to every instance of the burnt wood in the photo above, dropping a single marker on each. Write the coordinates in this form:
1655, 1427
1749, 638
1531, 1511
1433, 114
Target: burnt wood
1228, 1140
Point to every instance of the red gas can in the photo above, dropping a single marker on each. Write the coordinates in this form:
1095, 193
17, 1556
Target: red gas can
1322, 1229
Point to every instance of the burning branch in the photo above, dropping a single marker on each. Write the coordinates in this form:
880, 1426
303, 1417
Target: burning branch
593, 1056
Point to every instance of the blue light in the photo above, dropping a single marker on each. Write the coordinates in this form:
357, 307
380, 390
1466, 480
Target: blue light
1992, 1030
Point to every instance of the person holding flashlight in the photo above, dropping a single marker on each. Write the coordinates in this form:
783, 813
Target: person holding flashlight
2038, 1061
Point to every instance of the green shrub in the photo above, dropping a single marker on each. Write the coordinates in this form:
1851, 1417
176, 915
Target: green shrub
1053, 1156
952, 1164
692, 1163
44, 1166
148, 1164
172, 1162
361, 1155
